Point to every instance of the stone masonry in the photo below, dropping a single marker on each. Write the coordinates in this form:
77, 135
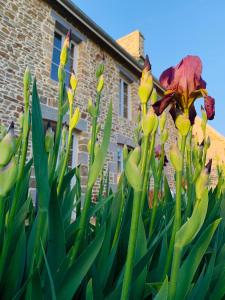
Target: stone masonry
26, 39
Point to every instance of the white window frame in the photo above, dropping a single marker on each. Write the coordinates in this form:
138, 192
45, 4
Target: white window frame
75, 55
121, 104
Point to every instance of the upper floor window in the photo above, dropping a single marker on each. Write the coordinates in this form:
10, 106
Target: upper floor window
71, 64
119, 159
125, 101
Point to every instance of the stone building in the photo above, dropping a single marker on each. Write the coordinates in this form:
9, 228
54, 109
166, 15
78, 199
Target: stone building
32, 33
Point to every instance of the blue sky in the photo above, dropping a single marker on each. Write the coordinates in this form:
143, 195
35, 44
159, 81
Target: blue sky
172, 29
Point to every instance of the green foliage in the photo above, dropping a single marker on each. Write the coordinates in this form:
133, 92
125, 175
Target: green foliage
141, 242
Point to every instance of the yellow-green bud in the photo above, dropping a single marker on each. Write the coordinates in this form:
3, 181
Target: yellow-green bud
99, 71
183, 124
132, 170
27, 79
49, 139
155, 126
146, 86
73, 82
208, 142
91, 108
164, 136
201, 184
64, 52
7, 147
75, 118
148, 122
125, 153
154, 96
8, 176
100, 84
175, 158
162, 121
70, 97
61, 74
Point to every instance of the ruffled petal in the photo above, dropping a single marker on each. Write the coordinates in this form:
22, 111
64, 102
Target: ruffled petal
166, 78
209, 103
162, 104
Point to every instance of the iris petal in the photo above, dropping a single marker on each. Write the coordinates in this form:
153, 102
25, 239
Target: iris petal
209, 103
162, 104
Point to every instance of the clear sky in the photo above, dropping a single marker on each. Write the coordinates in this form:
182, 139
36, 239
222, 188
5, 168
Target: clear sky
172, 29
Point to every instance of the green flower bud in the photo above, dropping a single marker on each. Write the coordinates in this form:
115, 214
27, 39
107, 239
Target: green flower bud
49, 139
155, 128
175, 158
201, 184
75, 118
125, 153
61, 74
100, 84
132, 170
148, 122
154, 96
8, 175
204, 119
99, 71
162, 121
7, 146
73, 81
164, 136
91, 108
146, 86
183, 124
27, 79
208, 142
97, 148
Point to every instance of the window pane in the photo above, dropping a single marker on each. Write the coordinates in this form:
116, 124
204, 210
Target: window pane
57, 40
119, 160
54, 72
56, 56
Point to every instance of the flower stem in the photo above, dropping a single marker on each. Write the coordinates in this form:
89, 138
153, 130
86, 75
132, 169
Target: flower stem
94, 133
65, 162
177, 218
174, 272
131, 247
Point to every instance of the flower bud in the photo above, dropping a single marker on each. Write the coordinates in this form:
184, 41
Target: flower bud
148, 122
146, 86
49, 139
125, 153
208, 142
183, 124
61, 74
100, 84
27, 79
75, 118
155, 125
164, 136
70, 97
99, 71
201, 184
64, 52
132, 171
175, 158
8, 175
154, 96
7, 146
73, 81
91, 108
162, 121
97, 148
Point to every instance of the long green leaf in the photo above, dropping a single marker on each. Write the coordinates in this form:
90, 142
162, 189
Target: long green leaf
163, 292
73, 277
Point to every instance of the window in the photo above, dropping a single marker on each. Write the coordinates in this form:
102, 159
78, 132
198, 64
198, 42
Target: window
119, 159
124, 105
71, 64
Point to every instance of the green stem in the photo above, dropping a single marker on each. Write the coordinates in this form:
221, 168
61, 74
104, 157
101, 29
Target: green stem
82, 226
93, 132
2, 220
58, 133
146, 174
177, 219
174, 272
65, 162
131, 247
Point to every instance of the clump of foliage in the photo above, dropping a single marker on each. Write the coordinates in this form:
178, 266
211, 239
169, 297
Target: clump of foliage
166, 247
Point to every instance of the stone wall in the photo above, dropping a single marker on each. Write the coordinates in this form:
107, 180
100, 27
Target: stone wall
26, 39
